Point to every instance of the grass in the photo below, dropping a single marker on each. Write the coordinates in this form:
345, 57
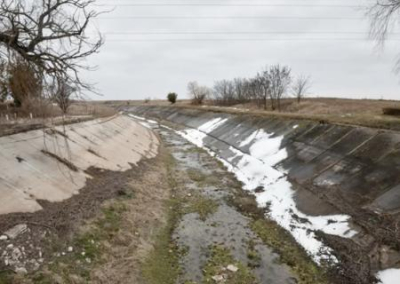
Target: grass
279, 240
296, 258
195, 150
6, 277
202, 206
87, 249
162, 264
219, 259
196, 175
253, 255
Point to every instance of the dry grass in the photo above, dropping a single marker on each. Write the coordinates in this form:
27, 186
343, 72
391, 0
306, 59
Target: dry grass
363, 112
367, 113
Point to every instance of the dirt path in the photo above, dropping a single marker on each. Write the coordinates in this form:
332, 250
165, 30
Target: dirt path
212, 233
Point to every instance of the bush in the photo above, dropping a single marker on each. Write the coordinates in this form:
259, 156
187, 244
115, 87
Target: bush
391, 111
172, 97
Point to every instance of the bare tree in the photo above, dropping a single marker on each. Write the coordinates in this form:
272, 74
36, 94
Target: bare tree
241, 90
49, 34
224, 92
63, 95
255, 90
301, 87
383, 16
263, 82
280, 80
197, 93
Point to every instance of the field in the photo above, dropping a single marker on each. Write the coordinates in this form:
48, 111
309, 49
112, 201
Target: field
327, 110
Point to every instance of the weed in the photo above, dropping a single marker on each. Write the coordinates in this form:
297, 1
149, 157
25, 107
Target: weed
196, 175
202, 206
253, 255
220, 258
290, 253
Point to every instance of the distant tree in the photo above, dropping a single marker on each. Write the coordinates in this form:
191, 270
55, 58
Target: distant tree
63, 95
262, 82
197, 93
224, 92
280, 79
241, 90
255, 91
300, 87
172, 97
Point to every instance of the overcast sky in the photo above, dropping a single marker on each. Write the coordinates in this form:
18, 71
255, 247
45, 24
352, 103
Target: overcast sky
152, 50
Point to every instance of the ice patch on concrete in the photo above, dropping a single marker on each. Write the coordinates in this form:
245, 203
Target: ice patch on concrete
212, 125
389, 276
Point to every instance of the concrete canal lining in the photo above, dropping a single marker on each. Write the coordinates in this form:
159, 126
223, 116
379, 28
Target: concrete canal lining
50, 164
334, 170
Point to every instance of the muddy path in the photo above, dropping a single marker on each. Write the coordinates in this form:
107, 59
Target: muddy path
211, 228
219, 235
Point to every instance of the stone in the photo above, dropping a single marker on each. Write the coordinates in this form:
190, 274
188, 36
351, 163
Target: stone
218, 278
15, 231
70, 249
21, 270
232, 268
3, 238
259, 189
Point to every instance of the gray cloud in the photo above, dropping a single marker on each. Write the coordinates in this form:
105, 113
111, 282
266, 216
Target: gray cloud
135, 66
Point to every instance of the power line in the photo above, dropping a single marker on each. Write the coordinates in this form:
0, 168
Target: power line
226, 5
232, 32
226, 18
243, 39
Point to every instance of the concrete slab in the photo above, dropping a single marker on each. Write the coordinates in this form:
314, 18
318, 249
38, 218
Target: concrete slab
39, 165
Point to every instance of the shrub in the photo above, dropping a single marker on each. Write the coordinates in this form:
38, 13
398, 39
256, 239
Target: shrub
391, 111
172, 97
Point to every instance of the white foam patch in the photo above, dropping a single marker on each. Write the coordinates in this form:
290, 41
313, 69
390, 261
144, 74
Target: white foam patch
136, 117
143, 121
389, 276
212, 125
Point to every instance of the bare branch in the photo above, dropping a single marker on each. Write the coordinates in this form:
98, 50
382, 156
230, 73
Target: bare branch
301, 87
50, 34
